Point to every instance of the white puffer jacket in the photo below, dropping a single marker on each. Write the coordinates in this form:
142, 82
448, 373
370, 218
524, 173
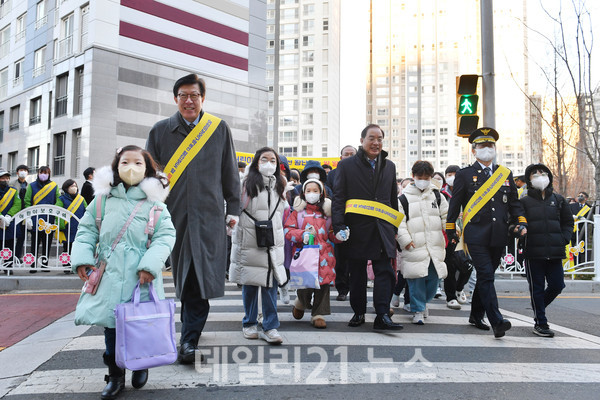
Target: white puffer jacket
249, 263
425, 229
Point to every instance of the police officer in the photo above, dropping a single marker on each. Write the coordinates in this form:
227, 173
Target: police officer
486, 231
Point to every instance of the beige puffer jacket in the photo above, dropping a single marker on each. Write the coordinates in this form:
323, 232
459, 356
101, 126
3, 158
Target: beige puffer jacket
249, 263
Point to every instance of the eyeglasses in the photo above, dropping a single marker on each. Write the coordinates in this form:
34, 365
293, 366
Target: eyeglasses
185, 96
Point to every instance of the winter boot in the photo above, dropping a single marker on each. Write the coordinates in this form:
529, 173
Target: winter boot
139, 378
115, 379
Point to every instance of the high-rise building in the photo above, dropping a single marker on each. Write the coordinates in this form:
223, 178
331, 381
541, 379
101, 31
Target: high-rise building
79, 79
303, 63
418, 48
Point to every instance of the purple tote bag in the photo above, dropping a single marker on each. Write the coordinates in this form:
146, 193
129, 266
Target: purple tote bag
304, 268
145, 332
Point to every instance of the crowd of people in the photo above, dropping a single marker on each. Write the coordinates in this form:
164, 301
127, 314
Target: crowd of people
246, 223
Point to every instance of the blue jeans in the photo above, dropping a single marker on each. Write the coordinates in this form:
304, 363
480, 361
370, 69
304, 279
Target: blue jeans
269, 306
422, 290
110, 340
539, 272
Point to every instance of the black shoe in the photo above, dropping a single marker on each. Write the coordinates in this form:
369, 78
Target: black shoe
384, 322
187, 353
357, 320
543, 330
341, 297
501, 328
479, 324
115, 379
139, 378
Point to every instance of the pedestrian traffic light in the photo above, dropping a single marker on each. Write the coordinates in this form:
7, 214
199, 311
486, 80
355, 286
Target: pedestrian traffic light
466, 104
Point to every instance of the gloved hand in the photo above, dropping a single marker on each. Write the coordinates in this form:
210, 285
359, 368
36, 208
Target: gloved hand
290, 186
29, 224
310, 229
7, 220
343, 235
3, 223
305, 237
452, 236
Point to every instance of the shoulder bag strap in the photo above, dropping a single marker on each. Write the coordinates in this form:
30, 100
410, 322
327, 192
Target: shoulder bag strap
404, 202
152, 221
124, 228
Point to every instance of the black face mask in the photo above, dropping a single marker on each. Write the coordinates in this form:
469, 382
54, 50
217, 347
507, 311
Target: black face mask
3, 184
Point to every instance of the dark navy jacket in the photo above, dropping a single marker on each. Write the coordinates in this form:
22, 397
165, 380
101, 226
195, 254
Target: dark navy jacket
489, 227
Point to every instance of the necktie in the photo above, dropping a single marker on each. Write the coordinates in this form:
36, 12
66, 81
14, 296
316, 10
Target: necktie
192, 126
488, 171
372, 162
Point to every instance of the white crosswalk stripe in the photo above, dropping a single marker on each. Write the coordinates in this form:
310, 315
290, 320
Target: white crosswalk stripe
338, 354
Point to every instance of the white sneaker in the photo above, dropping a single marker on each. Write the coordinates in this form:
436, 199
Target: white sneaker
426, 312
271, 336
453, 304
438, 293
461, 297
406, 307
285, 294
250, 332
395, 300
418, 318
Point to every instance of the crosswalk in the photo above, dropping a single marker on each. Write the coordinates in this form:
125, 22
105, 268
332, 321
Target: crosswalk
339, 354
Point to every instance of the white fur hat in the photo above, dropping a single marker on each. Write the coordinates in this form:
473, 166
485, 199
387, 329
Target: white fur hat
318, 182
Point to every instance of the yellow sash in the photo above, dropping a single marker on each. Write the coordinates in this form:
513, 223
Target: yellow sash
582, 213
5, 200
75, 203
374, 209
39, 196
189, 148
484, 194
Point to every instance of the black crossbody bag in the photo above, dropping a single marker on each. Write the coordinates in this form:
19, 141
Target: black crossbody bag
264, 229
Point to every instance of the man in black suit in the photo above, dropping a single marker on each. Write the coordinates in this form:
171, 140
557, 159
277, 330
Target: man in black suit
87, 190
341, 261
486, 233
368, 176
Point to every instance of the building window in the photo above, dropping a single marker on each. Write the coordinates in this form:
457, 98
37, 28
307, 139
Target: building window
2, 130
324, 150
289, 13
306, 151
307, 102
78, 99
41, 17
325, 24
308, 56
65, 43
308, 40
288, 136
308, 9
309, 24
288, 44
76, 161
13, 159
60, 140
4, 41
35, 113
39, 61
288, 151
288, 29
270, 44
61, 95
85, 17
4, 82
307, 135
14, 118
308, 72
18, 73
4, 10
20, 33
307, 119
33, 159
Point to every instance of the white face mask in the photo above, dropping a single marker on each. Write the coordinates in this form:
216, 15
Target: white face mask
267, 169
450, 180
313, 175
22, 174
312, 198
73, 191
422, 183
132, 174
540, 182
485, 154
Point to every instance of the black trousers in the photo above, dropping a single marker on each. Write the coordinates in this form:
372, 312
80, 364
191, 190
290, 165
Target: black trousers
484, 300
456, 280
342, 269
401, 283
382, 290
194, 309
539, 272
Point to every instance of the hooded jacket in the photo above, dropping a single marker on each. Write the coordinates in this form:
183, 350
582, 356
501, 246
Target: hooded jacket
550, 222
425, 228
130, 255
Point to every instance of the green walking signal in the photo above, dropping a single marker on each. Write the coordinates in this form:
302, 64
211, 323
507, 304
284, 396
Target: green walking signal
466, 105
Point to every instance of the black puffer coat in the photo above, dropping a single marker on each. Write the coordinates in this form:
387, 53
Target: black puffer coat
550, 222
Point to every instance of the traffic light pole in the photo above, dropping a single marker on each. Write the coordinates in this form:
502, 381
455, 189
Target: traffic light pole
487, 63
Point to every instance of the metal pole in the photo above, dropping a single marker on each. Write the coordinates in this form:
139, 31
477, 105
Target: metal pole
597, 247
487, 63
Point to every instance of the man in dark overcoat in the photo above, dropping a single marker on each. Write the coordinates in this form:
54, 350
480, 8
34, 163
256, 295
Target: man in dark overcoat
486, 235
368, 176
196, 204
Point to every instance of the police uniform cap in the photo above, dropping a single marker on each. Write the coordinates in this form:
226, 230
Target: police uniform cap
484, 134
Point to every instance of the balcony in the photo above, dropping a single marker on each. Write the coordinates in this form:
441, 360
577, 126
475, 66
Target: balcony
17, 81
36, 119
13, 127
5, 9
41, 22
20, 35
64, 48
39, 70
4, 48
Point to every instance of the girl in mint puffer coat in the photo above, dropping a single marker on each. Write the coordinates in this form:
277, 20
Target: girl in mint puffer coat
131, 178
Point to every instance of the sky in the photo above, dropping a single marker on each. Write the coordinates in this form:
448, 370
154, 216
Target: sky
354, 55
